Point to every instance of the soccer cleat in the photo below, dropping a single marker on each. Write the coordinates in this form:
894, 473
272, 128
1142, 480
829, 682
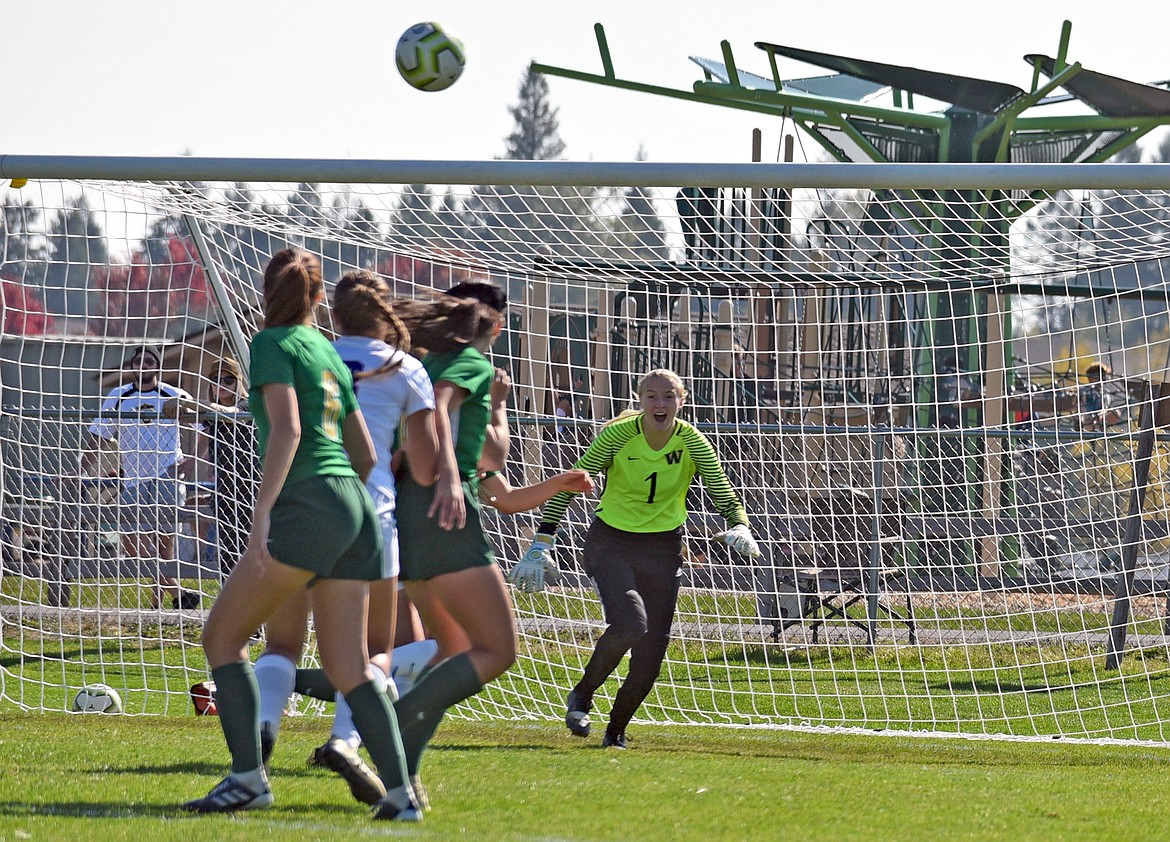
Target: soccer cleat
612, 740
267, 741
577, 707
337, 755
390, 808
187, 600
229, 796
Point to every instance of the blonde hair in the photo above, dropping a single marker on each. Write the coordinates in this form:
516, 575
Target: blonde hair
663, 373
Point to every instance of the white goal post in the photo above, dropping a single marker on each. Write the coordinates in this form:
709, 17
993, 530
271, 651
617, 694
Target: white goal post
939, 388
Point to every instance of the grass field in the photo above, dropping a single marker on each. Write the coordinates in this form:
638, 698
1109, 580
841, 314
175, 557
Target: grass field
116, 777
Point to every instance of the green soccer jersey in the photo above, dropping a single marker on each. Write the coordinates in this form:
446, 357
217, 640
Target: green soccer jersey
468, 369
646, 489
303, 358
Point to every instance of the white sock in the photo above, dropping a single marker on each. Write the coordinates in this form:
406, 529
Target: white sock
343, 727
408, 660
276, 676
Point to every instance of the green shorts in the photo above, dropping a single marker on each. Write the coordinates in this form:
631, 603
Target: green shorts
427, 550
327, 525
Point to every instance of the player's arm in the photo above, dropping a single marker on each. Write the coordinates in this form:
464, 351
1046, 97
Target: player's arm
355, 436
448, 504
595, 460
498, 440
537, 565
738, 534
420, 443
496, 491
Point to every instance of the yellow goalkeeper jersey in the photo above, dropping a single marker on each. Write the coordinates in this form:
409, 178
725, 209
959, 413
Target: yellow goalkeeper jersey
646, 489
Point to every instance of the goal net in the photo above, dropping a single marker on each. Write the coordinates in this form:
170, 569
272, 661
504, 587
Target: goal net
940, 400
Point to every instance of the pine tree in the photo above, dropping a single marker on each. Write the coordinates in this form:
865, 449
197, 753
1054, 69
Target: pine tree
76, 242
537, 134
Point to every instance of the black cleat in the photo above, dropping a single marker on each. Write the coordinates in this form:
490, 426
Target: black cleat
612, 740
337, 755
267, 741
187, 600
577, 707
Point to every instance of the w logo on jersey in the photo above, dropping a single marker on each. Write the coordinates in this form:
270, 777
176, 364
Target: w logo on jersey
674, 457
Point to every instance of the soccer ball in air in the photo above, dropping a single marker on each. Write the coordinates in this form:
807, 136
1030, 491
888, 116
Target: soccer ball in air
428, 58
97, 698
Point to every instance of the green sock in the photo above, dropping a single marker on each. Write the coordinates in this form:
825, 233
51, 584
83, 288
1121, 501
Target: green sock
375, 720
238, 699
312, 682
421, 710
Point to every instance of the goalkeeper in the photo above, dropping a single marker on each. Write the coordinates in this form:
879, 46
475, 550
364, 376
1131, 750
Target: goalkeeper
633, 549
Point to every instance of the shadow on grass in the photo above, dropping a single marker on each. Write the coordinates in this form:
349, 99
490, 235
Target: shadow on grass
994, 686
106, 810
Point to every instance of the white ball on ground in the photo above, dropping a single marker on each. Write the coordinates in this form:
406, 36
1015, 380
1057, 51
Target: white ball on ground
97, 698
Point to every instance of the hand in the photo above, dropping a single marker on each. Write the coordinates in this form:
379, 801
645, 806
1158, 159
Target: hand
448, 503
740, 539
528, 574
501, 385
256, 550
576, 481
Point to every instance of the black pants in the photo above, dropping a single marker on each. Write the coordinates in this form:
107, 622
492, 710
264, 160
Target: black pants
638, 577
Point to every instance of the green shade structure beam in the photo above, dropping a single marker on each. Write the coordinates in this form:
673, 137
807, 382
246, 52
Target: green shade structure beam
828, 106
1004, 120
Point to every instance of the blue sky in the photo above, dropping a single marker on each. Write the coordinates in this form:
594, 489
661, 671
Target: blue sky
316, 79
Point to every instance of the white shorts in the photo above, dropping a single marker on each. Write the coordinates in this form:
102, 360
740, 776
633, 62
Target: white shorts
384, 509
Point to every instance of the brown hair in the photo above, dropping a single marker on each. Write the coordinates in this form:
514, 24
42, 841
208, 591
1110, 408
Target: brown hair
361, 305
442, 323
491, 294
1098, 370
292, 287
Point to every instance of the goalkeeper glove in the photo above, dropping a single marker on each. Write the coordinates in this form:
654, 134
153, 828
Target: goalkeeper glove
740, 539
528, 574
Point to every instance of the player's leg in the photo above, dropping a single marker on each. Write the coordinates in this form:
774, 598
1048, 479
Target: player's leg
437, 621
276, 668
339, 752
606, 560
250, 595
658, 585
341, 638
478, 601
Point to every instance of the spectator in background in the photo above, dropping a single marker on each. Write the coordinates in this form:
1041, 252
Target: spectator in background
152, 467
231, 443
564, 410
1103, 399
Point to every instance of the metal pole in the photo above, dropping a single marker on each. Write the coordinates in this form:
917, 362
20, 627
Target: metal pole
235, 332
1132, 533
875, 536
940, 176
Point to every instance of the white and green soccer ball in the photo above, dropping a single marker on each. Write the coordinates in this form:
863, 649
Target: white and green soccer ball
97, 698
428, 58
